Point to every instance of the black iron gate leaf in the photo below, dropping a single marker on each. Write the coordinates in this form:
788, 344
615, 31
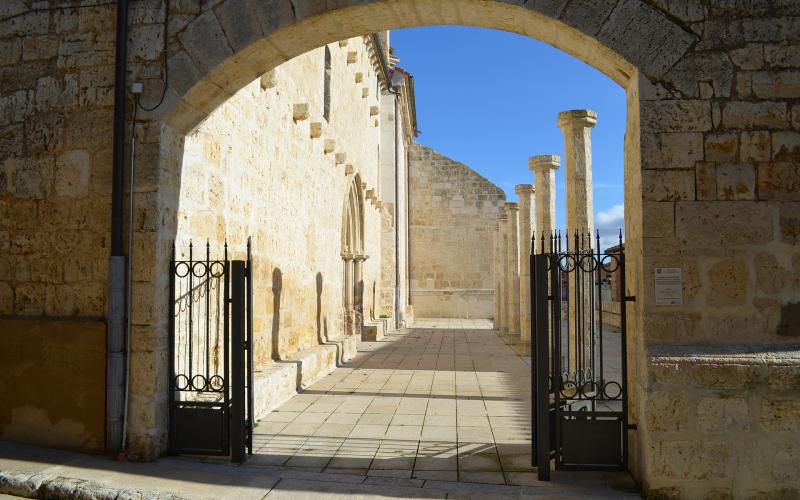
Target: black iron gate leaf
210, 355
579, 367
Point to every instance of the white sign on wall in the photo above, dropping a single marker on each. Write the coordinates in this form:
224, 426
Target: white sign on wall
669, 286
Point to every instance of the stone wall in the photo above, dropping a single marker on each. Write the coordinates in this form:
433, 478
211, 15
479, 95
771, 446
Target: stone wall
53, 383
267, 164
723, 422
56, 98
452, 211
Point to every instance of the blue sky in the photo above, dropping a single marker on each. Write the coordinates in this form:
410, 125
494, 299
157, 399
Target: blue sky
490, 99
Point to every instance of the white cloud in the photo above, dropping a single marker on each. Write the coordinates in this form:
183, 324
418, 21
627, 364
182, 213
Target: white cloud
609, 222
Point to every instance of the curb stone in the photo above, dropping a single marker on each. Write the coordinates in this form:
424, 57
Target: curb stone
53, 487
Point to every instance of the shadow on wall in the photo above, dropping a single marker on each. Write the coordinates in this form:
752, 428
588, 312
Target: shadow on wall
277, 285
322, 324
320, 336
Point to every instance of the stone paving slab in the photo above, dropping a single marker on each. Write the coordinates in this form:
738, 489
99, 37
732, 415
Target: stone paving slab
438, 397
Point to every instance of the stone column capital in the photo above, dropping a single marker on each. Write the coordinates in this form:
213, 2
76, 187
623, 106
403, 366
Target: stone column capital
347, 256
524, 189
577, 118
511, 206
360, 257
501, 218
544, 162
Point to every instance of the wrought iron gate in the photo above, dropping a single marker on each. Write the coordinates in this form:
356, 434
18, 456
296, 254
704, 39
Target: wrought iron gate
210, 355
579, 368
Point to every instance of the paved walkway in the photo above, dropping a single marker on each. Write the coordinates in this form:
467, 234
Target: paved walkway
441, 410
445, 400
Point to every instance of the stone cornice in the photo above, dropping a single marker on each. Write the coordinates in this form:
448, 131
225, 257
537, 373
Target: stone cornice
576, 118
521, 189
378, 58
544, 161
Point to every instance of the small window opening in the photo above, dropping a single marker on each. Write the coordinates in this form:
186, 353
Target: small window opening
326, 90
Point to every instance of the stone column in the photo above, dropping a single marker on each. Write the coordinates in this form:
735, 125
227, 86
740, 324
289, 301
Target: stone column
349, 320
576, 126
544, 169
358, 288
525, 194
502, 273
512, 263
496, 276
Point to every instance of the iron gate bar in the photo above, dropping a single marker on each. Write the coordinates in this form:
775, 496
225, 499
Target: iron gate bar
554, 350
250, 346
208, 305
237, 363
171, 350
226, 341
542, 368
600, 302
624, 348
191, 303
534, 323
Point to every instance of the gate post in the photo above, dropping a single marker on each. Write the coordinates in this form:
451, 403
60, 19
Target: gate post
542, 368
237, 386
250, 346
171, 355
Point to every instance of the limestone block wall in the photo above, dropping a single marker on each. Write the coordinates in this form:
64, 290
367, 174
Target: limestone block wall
452, 211
267, 164
722, 419
56, 98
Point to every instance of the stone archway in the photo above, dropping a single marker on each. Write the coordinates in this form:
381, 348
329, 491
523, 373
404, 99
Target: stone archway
681, 104
353, 257
219, 54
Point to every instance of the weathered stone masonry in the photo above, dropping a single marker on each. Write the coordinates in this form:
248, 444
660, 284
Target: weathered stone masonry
452, 212
713, 96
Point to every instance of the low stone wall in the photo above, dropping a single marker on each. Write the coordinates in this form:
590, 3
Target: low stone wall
611, 314
277, 382
721, 424
53, 382
453, 303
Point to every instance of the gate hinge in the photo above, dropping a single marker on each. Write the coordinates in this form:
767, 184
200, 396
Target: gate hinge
630, 298
632, 427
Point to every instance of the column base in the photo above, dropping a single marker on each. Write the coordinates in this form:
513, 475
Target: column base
512, 339
524, 348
